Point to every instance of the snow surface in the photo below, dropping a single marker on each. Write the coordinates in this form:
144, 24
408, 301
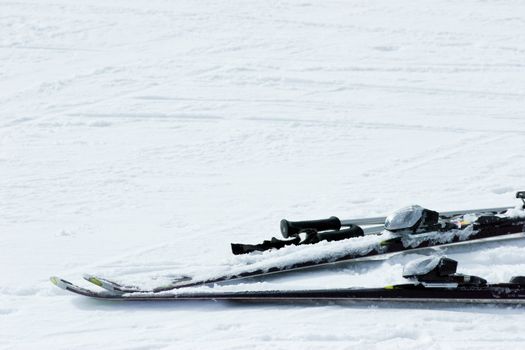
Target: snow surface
141, 137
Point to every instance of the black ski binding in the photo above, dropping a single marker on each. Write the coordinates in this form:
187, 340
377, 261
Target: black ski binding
439, 271
521, 195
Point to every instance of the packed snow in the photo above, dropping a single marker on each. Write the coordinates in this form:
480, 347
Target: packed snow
139, 138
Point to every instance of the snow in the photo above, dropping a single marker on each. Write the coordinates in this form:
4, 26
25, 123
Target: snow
142, 137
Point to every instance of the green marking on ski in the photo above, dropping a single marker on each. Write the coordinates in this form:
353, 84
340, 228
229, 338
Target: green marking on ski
96, 281
55, 280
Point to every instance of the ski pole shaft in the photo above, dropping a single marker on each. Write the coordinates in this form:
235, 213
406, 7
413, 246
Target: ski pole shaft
381, 219
373, 230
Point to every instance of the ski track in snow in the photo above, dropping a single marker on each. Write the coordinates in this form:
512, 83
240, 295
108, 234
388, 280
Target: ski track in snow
140, 138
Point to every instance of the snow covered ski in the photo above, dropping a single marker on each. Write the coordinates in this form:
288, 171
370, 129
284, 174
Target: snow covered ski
432, 280
405, 230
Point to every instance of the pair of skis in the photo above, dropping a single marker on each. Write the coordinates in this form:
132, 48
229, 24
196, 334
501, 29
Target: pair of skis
429, 230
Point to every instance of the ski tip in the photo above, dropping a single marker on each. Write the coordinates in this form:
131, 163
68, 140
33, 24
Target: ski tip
93, 280
102, 283
60, 283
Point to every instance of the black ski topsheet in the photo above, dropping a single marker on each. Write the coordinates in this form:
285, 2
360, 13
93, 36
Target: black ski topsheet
508, 293
388, 246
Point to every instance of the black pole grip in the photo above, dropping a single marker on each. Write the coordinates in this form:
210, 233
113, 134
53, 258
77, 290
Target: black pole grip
350, 232
292, 228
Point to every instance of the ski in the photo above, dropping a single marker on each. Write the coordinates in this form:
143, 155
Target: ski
433, 280
473, 225
182, 283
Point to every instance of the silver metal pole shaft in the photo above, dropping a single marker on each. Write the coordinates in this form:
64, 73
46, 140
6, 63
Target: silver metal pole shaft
381, 219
